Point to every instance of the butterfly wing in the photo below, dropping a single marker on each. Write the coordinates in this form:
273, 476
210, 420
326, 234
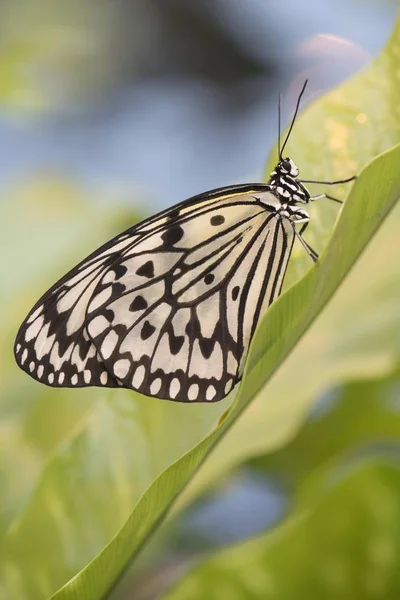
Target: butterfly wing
167, 308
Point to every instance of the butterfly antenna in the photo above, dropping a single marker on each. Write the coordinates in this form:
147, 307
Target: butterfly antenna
294, 116
279, 127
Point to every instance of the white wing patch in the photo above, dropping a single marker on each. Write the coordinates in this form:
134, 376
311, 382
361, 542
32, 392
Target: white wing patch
167, 308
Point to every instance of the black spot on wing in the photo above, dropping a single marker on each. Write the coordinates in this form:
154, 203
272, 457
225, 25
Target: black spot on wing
147, 330
209, 278
108, 313
172, 235
217, 220
146, 270
176, 343
139, 303
206, 346
120, 271
235, 292
84, 347
118, 289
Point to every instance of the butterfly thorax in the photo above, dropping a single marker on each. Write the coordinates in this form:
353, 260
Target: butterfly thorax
284, 183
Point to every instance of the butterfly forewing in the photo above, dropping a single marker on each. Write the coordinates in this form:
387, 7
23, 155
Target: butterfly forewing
167, 308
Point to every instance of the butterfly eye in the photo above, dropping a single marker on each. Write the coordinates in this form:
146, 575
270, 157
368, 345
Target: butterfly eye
285, 164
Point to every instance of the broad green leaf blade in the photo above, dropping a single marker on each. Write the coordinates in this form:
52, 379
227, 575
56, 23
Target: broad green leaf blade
363, 421
371, 198
355, 336
346, 547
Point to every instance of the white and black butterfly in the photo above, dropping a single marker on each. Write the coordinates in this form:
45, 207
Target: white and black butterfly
169, 307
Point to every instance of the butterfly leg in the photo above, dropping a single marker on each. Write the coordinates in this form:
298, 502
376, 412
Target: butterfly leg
311, 253
338, 181
320, 196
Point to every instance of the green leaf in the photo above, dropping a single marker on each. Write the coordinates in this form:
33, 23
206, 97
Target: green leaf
346, 546
87, 490
340, 508
355, 336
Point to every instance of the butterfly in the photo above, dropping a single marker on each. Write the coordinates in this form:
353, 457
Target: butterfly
169, 307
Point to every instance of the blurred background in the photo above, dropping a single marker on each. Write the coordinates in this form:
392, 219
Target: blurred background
114, 109
159, 100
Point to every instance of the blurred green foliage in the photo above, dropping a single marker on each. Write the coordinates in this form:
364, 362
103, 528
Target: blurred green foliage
341, 538
56, 56
361, 417
85, 477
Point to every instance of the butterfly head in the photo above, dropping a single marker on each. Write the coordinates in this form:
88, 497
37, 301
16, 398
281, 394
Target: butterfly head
287, 167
